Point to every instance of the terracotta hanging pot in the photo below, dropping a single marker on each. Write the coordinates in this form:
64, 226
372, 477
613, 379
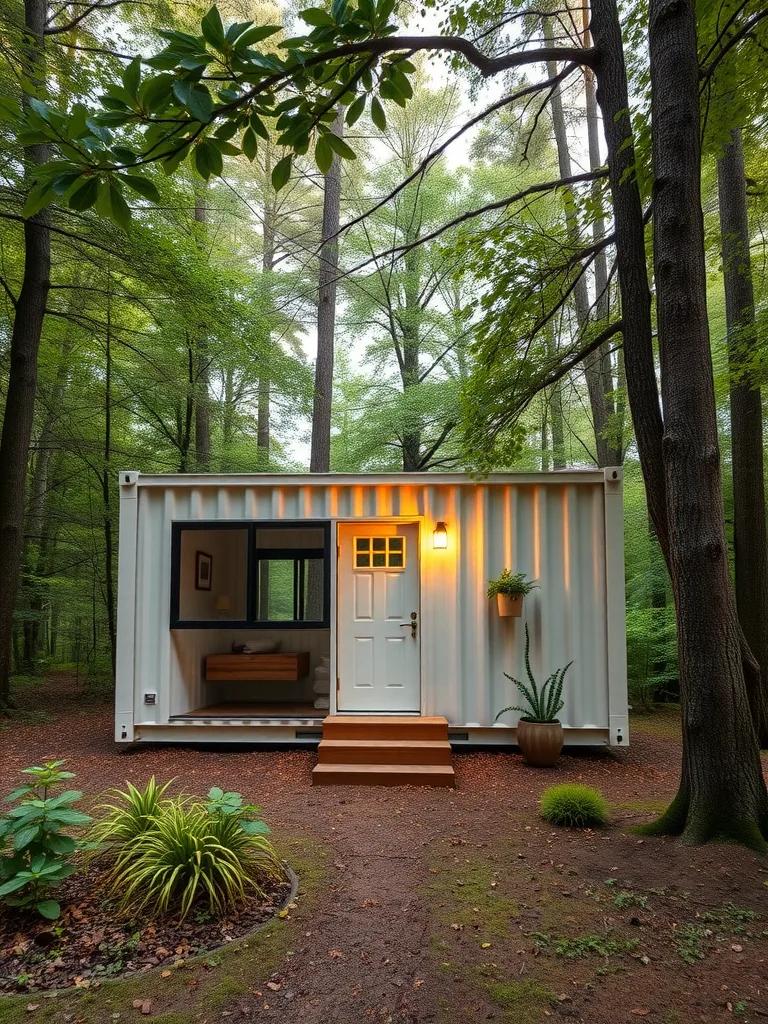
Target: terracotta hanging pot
510, 605
540, 743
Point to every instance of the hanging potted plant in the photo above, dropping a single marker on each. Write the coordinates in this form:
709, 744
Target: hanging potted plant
539, 732
509, 590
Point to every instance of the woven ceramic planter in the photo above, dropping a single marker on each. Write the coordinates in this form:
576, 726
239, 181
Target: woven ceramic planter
540, 742
510, 605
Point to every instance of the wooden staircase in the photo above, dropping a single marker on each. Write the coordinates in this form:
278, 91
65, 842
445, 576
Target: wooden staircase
378, 750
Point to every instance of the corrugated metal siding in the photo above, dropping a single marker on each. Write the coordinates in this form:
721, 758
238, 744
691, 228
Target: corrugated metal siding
552, 529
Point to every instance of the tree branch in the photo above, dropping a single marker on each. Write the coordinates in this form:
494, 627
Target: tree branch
57, 29
8, 292
499, 204
577, 357
431, 157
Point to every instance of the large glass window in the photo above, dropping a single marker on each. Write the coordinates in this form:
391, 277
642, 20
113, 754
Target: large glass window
290, 573
250, 575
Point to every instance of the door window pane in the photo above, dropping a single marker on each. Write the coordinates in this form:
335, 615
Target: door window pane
379, 553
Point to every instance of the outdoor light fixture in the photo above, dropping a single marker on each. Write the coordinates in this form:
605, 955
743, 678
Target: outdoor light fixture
440, 537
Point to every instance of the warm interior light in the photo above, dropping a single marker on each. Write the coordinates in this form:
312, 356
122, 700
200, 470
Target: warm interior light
222, 604
440, 536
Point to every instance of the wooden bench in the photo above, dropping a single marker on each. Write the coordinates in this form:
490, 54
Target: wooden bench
220, 668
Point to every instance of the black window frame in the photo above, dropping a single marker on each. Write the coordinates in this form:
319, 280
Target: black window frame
178, 527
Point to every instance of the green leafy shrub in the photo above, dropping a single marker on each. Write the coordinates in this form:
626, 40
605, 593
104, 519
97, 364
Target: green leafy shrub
39, 858
542, 705
208, 855
573, 805
131, 814
512, 584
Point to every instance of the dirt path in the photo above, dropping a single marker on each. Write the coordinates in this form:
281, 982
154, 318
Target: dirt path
430, 905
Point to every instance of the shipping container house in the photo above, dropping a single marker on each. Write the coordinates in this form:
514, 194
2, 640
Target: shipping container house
365, 594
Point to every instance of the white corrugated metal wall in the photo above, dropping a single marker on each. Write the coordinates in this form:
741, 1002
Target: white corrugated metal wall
551, 526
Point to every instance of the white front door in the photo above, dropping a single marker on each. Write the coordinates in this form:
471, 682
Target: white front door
379, 625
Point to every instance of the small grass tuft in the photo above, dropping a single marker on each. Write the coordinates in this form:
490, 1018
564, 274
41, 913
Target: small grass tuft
574, 806
585, 945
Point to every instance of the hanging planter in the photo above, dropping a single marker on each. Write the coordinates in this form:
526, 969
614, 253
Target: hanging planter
510, 605
509, 590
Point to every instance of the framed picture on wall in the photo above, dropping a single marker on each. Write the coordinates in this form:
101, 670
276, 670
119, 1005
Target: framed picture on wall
203, 570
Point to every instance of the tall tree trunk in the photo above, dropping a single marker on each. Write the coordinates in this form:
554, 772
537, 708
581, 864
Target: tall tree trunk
722, 789
320, 454
544, 434
203, 369
592, 364
228, 422
264, 386
22, 377
37, 532
602, 297
409, 366
558, 434
749, 528
185, 411
106, 493
639, 364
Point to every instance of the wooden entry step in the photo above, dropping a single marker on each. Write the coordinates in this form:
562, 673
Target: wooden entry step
378, 750
384, 727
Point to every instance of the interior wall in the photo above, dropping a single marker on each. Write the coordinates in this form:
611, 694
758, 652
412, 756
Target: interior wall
189, 648
229, 553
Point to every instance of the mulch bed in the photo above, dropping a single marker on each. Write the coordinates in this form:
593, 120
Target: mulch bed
90, 942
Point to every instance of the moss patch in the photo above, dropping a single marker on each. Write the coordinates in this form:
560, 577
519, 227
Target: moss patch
522, 1001
472, 895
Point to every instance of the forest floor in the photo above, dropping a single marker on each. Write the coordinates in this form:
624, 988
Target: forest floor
421, 905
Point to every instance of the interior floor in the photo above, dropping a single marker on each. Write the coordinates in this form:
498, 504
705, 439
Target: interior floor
253, 709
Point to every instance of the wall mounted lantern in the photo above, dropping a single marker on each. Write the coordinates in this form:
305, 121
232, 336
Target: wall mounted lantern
440, 537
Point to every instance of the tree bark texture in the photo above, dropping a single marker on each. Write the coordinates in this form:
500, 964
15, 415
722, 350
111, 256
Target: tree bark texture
320, 453
749, 529
639, 366
722, 790
106, 493
203, 358
602, 294
22, 377
264, 385
558, 434
606, 456
409, 361
37, 541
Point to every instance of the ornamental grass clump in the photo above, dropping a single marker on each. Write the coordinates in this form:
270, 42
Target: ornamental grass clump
212, 855
130, 814
574, 806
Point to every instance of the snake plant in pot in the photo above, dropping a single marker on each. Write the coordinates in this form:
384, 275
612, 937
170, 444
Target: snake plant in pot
539, 731
509, 590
